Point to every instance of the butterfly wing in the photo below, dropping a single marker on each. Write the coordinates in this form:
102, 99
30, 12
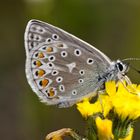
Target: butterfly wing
61, 68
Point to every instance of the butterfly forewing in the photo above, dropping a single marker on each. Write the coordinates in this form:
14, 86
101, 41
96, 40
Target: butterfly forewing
60, 67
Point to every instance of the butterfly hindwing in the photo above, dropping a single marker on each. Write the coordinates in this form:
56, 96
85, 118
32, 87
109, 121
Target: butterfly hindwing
60, 67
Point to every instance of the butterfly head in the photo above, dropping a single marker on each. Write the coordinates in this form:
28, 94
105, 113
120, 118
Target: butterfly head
122, 67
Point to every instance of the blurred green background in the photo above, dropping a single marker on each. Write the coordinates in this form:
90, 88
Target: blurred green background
113, 26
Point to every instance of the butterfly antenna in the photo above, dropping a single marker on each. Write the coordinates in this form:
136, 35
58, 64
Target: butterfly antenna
131, 59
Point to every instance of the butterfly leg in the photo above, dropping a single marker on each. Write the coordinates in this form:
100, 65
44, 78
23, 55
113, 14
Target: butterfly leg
129, 83
100, 99
127, 80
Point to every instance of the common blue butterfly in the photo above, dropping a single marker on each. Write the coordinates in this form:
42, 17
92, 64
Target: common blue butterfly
63, 69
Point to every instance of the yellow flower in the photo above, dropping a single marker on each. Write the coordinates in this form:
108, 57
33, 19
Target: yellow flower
87, 109
125, 103
102, 105
104, 129
119, 106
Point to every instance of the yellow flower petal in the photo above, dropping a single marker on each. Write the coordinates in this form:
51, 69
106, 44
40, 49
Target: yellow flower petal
105, 103
104, 129
102, 105
87, 109
110, 88
125, 103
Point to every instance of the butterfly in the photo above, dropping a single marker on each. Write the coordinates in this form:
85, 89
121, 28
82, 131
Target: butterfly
63, 69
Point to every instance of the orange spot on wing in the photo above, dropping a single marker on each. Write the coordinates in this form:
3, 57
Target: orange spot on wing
40, 55
38, 63
51, 93
49, 49
45, 82
41, 73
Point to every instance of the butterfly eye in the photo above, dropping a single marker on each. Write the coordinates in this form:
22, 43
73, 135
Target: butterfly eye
74, 92
82, 72
120, 66
123, 68
51, 58
77, 52
61, 88
90, 61
59, 79
64, 54
55, 36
